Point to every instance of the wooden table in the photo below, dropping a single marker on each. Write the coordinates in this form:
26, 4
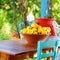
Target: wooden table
17, 49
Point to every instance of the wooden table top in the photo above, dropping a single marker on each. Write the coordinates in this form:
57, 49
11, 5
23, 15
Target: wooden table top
19, 46
15, 46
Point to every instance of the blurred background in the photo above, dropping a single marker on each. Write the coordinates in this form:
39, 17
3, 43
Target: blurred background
13, 12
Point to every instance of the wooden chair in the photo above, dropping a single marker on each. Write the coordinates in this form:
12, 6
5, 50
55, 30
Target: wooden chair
47, 44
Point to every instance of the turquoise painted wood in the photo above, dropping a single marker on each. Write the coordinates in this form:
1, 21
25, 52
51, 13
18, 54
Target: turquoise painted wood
21, 26
44, 8
59, 25
47, 44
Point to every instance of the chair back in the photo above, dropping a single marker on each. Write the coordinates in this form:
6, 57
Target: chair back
47, 44
21, 26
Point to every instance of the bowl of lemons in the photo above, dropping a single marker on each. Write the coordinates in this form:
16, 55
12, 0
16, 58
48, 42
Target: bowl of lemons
34, 33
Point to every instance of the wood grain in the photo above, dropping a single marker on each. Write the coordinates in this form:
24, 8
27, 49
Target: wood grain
18, 49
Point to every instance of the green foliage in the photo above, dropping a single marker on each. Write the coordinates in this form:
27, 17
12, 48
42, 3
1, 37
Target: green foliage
34, 6
56, 10
2, 17
7, 10
4, 36
3, 1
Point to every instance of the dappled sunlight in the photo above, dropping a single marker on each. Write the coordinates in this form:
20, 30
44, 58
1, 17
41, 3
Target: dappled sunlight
55, 6
35, 55
6, 28
6, 6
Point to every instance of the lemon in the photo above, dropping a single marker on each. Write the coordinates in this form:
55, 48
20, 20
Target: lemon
36, 29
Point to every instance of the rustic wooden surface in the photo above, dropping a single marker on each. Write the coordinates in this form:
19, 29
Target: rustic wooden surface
18, 49
15, 50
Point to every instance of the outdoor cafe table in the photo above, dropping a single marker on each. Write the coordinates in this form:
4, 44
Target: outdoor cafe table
17, 49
